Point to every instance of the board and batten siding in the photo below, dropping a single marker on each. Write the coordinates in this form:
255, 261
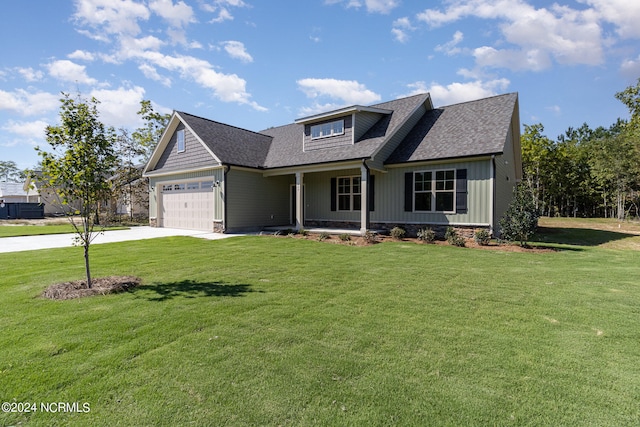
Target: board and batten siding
195, 154
255, 201
215, 175
389, 196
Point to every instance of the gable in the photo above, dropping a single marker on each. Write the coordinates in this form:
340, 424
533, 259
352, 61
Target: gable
194, 155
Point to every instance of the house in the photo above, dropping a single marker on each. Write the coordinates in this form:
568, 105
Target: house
398, 163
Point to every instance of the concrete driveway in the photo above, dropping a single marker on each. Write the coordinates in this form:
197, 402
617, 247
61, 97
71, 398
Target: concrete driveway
48, 241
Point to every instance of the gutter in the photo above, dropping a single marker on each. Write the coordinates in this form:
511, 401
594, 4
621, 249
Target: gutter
492, 201
224, 197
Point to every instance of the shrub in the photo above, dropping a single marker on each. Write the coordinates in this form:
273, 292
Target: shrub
345, 237
482, 237
370, 237
304, 232
426, 235
453, 238
520, 221
397, 233
323, 236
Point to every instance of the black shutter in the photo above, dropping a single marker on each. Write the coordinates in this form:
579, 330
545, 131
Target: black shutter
371, 190
408, 192
461, 191
334, 194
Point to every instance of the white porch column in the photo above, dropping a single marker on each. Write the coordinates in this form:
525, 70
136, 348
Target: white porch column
299, 201
364, 198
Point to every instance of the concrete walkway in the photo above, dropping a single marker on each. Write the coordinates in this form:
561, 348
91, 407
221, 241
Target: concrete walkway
49, 241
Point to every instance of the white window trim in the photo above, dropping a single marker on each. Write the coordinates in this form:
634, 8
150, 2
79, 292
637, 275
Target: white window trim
331, 133
433, 191
350, 194
184, 142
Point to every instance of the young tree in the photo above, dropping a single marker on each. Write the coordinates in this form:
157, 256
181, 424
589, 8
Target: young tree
520, 221
78, 168
127, 182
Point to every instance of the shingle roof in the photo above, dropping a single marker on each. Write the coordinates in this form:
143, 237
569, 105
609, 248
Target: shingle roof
232, 145
462, 130
12, 189
286, 148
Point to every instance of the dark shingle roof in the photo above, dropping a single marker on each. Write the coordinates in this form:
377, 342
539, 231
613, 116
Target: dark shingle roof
461, 130
230, 144
286, 148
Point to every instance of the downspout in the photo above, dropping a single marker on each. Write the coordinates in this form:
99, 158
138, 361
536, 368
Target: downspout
224, 198
492, 207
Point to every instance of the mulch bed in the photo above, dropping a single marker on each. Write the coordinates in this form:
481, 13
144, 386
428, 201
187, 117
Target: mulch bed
99, 286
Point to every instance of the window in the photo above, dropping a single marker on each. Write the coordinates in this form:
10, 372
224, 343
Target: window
434, 191
180, 138
167, 187
179, 187
327, 129
206, 185
193, 185
349, 193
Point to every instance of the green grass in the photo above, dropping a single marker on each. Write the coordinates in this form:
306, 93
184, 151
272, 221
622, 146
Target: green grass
267, 331
36, 230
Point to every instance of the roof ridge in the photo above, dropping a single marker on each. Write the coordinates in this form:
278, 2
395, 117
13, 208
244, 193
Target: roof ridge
478, 100
221, 123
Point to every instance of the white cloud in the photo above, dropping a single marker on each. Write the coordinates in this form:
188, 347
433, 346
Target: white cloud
150, 72
221, 7
27, 103
568, 35
630, 68
29, 74
623, 14
451, 47
455, 93
341, 92
401, 27
114, 17
81, 55
34, 130
68, 71
236, 50
372, 6
177, 15
118, 107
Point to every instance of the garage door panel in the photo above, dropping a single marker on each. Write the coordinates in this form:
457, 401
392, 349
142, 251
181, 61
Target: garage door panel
187, 209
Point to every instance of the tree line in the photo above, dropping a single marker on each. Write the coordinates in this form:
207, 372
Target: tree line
587, 172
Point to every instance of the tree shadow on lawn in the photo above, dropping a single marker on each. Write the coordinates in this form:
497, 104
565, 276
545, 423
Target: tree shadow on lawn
578, 236
193, 289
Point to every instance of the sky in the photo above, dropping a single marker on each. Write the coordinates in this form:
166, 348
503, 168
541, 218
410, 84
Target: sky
257, 64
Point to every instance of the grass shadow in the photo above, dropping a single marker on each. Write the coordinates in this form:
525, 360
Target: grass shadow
578, 236
193, 289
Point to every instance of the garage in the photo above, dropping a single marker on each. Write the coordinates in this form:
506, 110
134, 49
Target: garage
187, 205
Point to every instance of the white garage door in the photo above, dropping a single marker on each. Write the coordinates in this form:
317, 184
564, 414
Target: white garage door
187, 205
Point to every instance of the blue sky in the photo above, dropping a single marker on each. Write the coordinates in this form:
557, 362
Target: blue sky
257, 64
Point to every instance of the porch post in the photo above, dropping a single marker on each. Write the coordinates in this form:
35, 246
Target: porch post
299, 201
364, 198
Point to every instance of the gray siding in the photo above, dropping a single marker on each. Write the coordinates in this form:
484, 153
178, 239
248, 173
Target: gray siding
255, 201
331, 141
363, 122
194, 155
389, 196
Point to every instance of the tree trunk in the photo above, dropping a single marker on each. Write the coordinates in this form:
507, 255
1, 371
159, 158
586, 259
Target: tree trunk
86, 264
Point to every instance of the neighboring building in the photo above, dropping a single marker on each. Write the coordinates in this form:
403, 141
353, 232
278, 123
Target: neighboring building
398, 163
18, 192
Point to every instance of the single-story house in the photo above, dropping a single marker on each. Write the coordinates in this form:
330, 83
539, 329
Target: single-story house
398, 163
18, 192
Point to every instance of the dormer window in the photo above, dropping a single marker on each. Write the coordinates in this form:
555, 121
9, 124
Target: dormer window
180, 140
325, 130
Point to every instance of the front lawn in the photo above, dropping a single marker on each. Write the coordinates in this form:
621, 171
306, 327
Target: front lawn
274, 331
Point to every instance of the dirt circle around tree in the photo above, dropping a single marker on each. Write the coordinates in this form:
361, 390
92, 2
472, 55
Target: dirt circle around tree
99, 286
